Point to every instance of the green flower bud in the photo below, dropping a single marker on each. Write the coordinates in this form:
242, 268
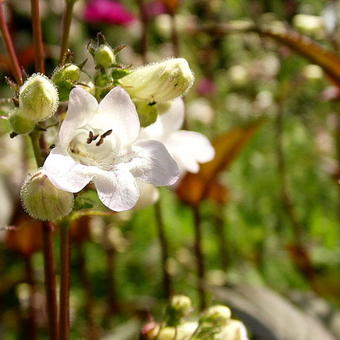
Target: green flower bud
159, 82
64, 78
181, 304
19, 123
42, 200
147, 112
38, 98
218, 315
104, 56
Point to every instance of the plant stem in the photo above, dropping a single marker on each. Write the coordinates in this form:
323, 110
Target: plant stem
201, 276
35, 135
174, 36
67, 19
163, 242
50, 279
221, 237
37, 37
144, 20
14, 63
64, 299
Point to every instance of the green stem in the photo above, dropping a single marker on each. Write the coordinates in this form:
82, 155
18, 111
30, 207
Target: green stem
50, 280
14, 63
64, 298
35, 135
144, 39
67, 19
174, 36
163, 242
37, 37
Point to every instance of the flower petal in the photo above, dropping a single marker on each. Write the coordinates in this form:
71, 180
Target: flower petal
82, 106
117, 189
65, 173
118, 112
153, 164
189, 148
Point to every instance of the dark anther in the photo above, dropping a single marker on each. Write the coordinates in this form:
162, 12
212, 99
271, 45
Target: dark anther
100, 142
52, 146
90, 138
107, 133
13, 134
152, 103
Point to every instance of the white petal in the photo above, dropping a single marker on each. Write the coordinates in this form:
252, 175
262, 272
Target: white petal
65, 173
153, 164
149, 195
190, 148
82, 106
166, 123
117, 112
117, 189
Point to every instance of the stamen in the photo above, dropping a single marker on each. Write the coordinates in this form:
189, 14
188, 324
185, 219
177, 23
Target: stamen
90, 138
100, 142
105, 134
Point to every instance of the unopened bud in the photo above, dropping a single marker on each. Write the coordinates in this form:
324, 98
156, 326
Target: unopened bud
181, 304
42, 200
147, 112
38, 98
19, 122
159, 82
217, 315
64, 78
104, 56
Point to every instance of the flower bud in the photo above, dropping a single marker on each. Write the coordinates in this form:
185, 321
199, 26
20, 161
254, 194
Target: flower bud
147, 112
19, 122
42, 200
38, 98
159, 82
217, 315
181, 304
104, 56
64, 78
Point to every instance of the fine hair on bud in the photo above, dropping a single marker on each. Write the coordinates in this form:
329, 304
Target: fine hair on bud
42, 200
38, 98
159, 82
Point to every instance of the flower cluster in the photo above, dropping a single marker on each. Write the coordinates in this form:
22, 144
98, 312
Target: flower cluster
107, 136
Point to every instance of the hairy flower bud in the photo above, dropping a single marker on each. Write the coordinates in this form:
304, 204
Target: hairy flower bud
42, 200
147, 112
181, 304
159, 82
19, 122
104, 56
217, 315
64, 78
38, 98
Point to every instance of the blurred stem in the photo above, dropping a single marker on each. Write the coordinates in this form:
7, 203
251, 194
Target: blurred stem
37, 37
85, 280
299, 255
35, 135
163, 242
201, 275
337, 149
67, 20
31, 318
14, 63
174, 35
144, 39
64, 298
50, 280
221, 237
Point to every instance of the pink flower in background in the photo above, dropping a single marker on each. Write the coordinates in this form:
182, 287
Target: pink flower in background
107, 11
154, 8
206, 87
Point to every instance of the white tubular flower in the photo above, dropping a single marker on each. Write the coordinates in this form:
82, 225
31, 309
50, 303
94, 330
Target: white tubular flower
98, 142
188, 148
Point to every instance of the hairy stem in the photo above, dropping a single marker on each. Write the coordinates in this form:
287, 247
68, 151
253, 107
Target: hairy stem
50, 280
13, 59
64, 299
174, 36
201, 275
37, 37
67, 19
163, 242
35, 136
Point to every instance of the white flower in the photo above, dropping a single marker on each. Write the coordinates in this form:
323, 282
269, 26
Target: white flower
98, 142
188, 148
